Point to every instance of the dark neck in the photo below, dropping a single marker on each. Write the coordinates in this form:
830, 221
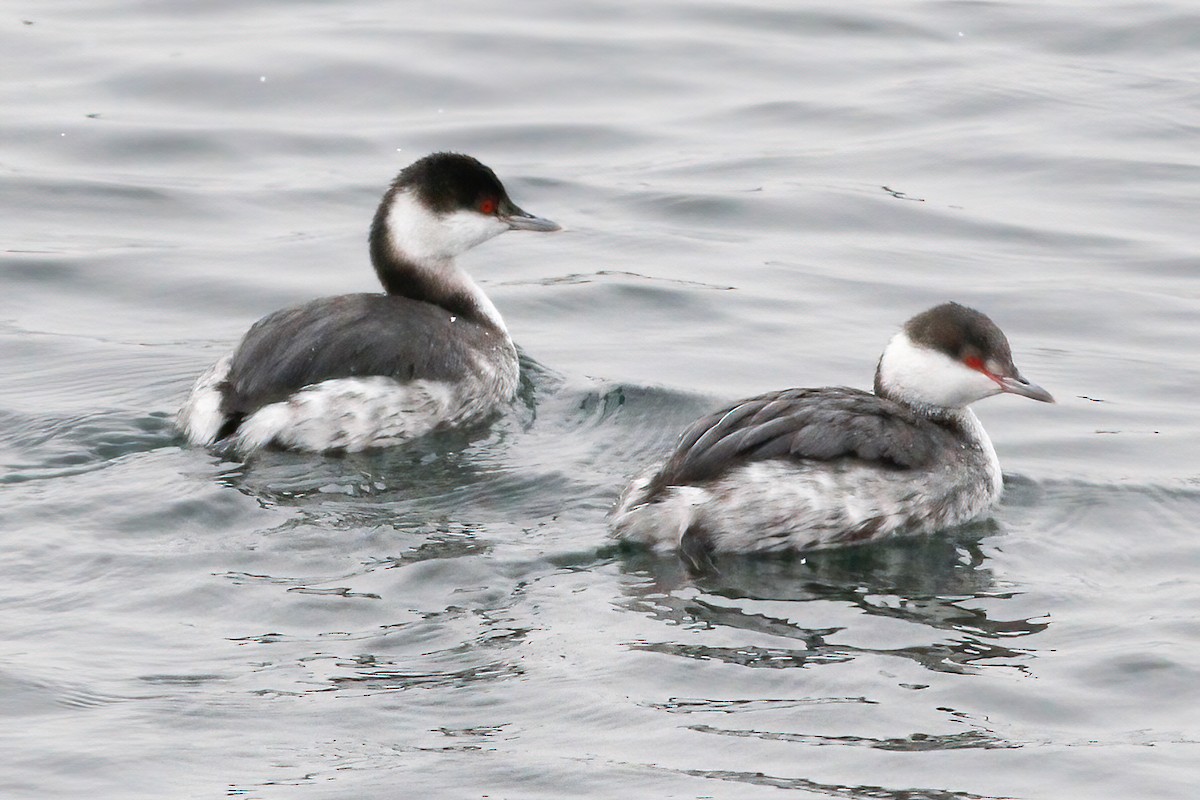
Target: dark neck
404, 277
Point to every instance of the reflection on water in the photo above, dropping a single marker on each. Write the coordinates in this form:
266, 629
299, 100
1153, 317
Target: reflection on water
926, 581
917, 742
369, 674
767, 613
859, 792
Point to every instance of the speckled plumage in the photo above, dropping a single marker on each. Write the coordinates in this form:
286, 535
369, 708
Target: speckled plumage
806, 469
364, 370
354, 336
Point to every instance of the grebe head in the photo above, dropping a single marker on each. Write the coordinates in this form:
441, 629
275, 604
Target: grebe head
441, 206
947, 358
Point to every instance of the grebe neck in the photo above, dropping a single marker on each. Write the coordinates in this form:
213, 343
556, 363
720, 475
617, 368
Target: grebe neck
414, 255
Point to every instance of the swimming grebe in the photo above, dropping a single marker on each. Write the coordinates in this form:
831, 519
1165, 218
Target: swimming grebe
367, 370
805, 469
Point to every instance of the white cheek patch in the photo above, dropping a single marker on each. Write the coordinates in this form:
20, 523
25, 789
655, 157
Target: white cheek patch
464, 229
413, 230
923, 376
419, 234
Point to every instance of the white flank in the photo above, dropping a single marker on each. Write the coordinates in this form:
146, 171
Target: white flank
660, 524
354, 414
778, 505
201, 419
351, 414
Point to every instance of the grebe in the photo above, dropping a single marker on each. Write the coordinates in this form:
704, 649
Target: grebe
806, 469
367, 370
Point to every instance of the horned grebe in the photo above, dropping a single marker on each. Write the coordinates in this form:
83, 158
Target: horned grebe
805, 469
368, 370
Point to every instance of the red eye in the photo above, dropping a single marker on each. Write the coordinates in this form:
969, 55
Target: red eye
974, 362
487, 206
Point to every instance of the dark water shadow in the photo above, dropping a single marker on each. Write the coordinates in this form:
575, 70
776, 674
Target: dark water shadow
38, 447
928, 581
850, 792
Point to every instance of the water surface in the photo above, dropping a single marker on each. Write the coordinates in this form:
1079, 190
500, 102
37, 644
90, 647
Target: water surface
756, 195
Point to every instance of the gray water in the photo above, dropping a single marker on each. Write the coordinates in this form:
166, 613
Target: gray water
756, 195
